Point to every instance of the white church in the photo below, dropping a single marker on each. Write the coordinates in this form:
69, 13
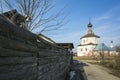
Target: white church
87, 43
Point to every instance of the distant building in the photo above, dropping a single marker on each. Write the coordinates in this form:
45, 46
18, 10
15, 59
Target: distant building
46, 38
101, 49
107, 51
87, 43
67, 46
74, 53
15, 18
112, 49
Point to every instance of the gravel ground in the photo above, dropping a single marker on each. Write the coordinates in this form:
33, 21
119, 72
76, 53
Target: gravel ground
96, 72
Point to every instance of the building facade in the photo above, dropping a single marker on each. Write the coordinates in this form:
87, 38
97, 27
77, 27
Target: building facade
67, 46
87, 43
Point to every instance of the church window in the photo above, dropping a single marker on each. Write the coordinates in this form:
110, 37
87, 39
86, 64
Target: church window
86, 49
81, 49
83, 41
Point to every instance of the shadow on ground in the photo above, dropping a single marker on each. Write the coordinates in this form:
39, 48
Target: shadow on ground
77, 71
84, 64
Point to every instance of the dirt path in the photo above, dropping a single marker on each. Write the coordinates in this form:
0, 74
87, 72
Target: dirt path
95, 72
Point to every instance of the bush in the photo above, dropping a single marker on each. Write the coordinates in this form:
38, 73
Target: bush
117, 58
110, 65
117, 62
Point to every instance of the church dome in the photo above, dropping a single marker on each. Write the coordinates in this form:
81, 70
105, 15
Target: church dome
90, 32
89, 25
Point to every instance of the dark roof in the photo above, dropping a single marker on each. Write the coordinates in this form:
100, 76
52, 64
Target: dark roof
66, 44
10, 13
90, 35
87, 44
48, 39
89, 25
14, 17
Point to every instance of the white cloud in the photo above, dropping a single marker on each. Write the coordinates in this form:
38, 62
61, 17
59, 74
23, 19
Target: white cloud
110, 14
107, 28
102, 18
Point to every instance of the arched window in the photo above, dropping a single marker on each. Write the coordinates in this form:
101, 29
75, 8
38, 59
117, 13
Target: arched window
83, 41
81, 49
86, 49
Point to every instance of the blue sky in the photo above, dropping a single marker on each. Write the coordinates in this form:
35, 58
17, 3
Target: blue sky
104, 14
105, 17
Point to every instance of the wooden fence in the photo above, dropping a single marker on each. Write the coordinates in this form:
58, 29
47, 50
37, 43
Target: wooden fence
25, 56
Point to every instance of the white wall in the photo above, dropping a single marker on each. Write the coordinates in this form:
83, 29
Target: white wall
85, 46
83, 50
88, 40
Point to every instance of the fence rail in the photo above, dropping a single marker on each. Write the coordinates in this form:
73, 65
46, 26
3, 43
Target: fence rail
22, 57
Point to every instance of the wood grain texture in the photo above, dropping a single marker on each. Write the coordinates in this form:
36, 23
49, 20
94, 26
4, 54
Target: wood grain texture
23, 58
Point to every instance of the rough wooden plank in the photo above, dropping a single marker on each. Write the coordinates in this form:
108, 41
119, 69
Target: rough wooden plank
45, 61
62, 73
49, 73
12, 68
58, 70
51, 62
17, 60
48, 53
14, 53
12, 44
21, 74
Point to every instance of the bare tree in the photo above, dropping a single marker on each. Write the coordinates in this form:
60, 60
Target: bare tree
117, 58
1, 8
37, 13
